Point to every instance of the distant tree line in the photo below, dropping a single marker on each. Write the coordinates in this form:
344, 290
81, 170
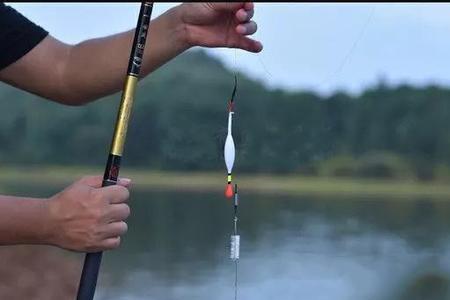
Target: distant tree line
179, 123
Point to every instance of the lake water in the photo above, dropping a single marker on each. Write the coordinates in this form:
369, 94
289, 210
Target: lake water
291, 248
311, 248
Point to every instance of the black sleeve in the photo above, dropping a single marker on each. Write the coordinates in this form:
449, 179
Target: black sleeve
18, 35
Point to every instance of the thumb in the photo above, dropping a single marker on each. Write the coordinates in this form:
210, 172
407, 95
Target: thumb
125, 182
96, 181
92, 181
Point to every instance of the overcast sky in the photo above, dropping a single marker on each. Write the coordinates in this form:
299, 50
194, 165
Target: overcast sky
318, 46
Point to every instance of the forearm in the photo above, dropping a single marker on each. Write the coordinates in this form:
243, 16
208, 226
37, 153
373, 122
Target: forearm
23, 221
77, 74
96, 68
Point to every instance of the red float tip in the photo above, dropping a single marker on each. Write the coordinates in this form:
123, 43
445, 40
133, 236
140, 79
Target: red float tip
229, 191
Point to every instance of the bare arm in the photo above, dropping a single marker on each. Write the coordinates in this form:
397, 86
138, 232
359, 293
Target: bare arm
91, 69
23, 221
83, 217
166, 40
77, 74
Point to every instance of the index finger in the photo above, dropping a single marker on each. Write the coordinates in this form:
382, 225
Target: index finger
116, 194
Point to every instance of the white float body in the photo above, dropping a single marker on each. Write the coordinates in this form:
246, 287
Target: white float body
229, 149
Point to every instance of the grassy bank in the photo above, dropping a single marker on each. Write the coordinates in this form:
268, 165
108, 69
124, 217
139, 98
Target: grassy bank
214, 182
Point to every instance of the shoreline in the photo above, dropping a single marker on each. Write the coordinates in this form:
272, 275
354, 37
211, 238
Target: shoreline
292, 185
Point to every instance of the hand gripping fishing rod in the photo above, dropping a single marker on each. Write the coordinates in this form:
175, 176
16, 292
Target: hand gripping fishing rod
92, 261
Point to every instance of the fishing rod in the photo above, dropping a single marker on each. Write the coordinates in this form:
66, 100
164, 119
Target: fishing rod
89, 275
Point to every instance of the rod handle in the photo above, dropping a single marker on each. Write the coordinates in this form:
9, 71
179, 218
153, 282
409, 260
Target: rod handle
92, 261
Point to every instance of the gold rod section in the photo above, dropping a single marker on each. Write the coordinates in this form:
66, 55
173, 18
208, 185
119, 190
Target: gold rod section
123, 116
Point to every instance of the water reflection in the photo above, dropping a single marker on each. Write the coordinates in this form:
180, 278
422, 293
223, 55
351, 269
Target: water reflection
291, 248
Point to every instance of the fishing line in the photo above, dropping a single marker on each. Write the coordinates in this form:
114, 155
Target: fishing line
343, 62
347, 57
263, 65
